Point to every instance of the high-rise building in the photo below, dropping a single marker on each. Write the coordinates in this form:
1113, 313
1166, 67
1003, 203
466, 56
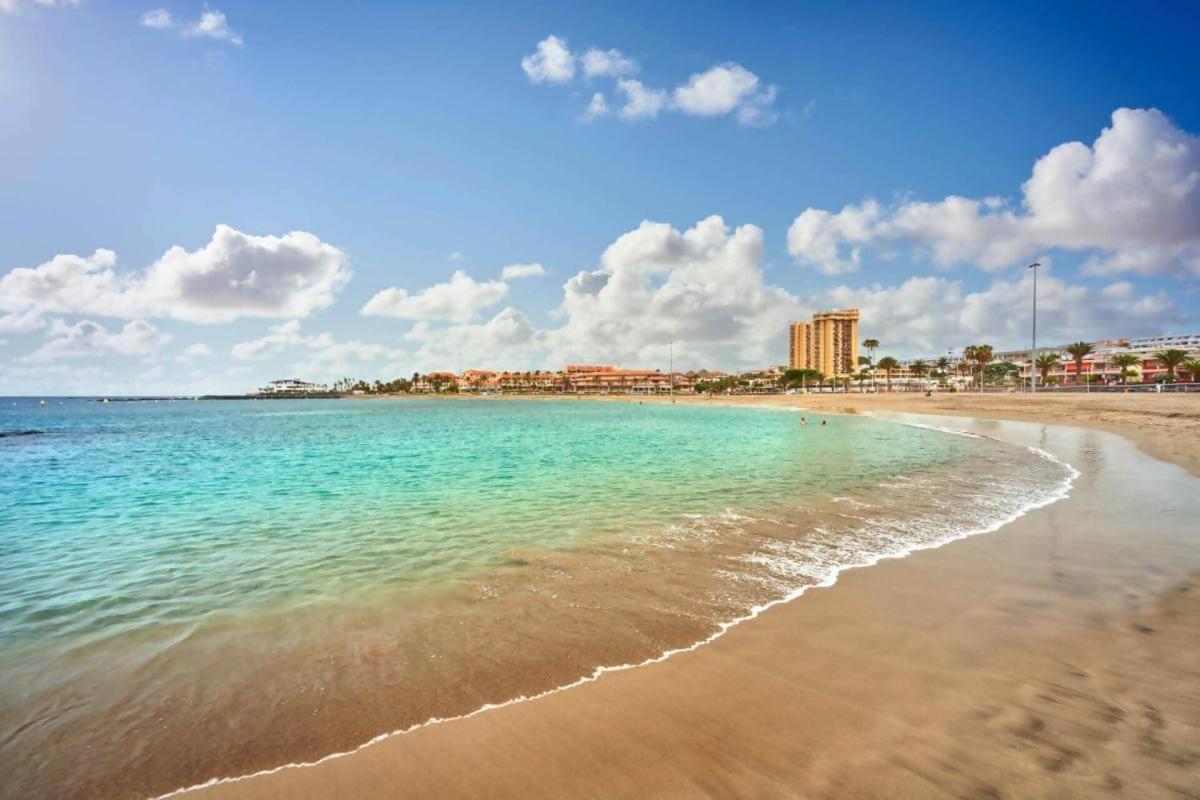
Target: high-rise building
828, 344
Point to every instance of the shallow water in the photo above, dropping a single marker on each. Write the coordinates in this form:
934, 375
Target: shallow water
194, 590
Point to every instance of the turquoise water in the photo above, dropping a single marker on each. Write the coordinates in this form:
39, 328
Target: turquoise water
188, 587
127, 514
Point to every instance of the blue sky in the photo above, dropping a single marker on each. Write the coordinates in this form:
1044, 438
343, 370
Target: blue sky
399, 135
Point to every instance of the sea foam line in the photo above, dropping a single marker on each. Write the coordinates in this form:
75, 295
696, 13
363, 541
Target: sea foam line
1061, 493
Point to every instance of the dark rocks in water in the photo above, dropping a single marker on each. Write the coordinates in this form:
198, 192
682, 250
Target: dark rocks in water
4, 434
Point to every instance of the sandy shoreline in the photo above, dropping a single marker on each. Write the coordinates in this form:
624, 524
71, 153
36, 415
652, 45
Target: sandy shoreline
1056, 658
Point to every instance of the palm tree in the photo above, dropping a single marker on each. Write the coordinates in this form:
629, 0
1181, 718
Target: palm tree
983, 354
871, 344
1046, 362
1125, 361
1077, 351
919, 368
1192, 367
970, 354
943, 365
887, 364
1171, 359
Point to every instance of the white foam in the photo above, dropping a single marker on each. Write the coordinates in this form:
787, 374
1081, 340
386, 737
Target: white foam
904, 549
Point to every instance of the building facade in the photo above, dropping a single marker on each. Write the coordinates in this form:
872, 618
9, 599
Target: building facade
828, 344
290, 386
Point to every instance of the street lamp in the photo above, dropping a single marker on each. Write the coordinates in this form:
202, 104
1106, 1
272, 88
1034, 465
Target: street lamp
1033, 346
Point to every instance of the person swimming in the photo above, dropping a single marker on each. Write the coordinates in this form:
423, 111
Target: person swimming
803, 421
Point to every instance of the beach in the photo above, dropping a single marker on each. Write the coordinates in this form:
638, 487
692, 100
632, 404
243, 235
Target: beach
1056, 657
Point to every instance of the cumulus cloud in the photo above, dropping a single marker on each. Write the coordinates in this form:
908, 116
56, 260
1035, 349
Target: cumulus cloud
29, 319
197, 350
459, 300
235, 275
508, 341
551, 63
607, 63
703, 288
279, 338
158, 18
597, 107
324, 357
1132, 198
320, 355
724, 89
641, 102
213, 25
516, 271
193, 351
89, 339
927, 315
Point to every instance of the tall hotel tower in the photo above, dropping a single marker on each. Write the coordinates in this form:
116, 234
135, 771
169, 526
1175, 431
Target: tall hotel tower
828, 344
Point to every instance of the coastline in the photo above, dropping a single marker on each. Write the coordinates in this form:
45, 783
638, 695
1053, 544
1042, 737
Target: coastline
840, 644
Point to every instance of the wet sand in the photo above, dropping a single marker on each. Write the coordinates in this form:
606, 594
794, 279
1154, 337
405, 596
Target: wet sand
1058, 657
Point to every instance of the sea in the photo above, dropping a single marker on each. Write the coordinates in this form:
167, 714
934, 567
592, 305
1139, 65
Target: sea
197, 590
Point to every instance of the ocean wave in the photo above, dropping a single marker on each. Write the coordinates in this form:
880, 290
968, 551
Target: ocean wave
770, 558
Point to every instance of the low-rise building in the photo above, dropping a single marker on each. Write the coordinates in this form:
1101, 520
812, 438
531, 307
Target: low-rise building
286, 386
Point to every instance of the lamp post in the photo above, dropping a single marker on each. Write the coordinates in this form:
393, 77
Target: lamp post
1033, 345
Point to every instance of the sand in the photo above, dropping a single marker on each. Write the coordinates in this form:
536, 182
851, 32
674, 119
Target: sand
1058, 657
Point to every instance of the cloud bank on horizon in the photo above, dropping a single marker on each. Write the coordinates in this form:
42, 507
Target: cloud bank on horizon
1130, 202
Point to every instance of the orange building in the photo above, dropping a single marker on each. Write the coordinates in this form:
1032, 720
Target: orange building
828, 344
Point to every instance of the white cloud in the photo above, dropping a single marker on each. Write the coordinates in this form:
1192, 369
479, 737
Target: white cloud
927, 315
597, 107
458, 300
192, 351
640, 101
703, 288
724, 89
197, 350
89, 339
323, 356
607, 63
213, 25
279, 338
1132, 199
29, 319
158, 18
235, 275
506, 341
552, 63
16, 6
516, 271
759, 109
